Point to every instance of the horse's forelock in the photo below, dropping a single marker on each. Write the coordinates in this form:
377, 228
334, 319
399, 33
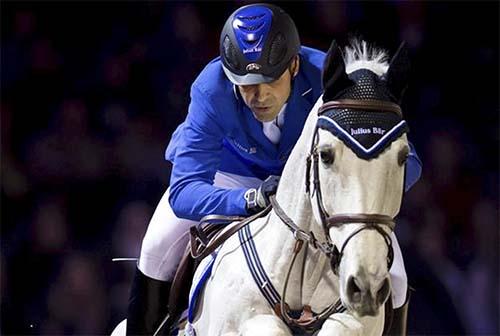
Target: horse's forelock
361, 55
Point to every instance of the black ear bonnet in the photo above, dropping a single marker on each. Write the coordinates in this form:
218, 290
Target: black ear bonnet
366, 132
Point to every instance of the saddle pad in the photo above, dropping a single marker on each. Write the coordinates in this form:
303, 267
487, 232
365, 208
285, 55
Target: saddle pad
199, 281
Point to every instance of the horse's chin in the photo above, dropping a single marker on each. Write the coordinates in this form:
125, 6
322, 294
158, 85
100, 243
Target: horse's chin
365, 309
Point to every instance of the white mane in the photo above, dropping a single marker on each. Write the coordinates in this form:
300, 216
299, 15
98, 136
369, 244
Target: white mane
361, 55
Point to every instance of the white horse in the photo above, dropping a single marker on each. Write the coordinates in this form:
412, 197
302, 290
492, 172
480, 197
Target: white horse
347, 195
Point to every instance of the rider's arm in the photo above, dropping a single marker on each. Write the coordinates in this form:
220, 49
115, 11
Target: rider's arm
413, 168
192, 194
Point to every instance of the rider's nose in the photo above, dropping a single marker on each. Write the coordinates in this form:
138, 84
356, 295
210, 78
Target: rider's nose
261, 92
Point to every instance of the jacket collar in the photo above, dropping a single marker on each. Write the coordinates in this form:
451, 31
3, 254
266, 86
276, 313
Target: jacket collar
298, 107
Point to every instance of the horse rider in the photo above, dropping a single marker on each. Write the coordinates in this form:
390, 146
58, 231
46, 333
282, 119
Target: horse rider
247, 110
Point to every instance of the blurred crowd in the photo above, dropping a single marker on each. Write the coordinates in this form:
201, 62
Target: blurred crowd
91, 93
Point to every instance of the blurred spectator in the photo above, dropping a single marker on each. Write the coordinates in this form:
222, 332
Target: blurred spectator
138, 153
132, 223
67, 150
49, 234
78, 285
44, 57
14, 181
480, 291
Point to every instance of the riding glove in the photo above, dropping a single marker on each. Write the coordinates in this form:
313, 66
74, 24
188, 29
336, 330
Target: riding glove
258, 199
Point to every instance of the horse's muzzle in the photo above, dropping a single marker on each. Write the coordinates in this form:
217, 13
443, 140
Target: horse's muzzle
362, 299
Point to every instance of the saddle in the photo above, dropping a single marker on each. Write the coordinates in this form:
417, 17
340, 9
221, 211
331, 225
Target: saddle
206, 237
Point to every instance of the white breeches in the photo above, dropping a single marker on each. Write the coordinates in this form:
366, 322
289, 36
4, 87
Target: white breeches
167, 236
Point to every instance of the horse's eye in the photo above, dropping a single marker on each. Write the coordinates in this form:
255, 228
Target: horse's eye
403, 156
326, 156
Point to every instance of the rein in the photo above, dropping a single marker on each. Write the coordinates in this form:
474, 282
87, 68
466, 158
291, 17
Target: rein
308, 321
206, 237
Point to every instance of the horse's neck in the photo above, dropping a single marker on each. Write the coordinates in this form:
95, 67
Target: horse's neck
293, 200
292, 189
292, 197
291, 194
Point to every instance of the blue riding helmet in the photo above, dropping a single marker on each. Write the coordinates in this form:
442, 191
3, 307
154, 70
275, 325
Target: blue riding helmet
257, 44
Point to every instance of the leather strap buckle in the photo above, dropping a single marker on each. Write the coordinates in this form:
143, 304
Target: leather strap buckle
301, 235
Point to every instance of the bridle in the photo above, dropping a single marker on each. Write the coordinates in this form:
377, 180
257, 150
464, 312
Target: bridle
369, 221
308, 321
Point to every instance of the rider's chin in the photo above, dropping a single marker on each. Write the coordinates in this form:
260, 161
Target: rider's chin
263, 115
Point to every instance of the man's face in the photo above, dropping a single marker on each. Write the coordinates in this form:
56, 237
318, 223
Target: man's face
266, 99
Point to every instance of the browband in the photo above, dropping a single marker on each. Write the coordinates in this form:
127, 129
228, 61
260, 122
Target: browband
369, 104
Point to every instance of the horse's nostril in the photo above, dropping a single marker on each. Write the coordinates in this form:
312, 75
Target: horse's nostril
353, 290
384, 291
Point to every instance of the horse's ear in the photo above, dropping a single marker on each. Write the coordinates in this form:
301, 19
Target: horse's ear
334, 78
398, 73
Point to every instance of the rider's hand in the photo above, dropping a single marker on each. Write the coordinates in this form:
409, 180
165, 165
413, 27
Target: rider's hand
258, 199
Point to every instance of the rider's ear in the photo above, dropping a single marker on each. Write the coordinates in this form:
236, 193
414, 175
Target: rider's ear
398, 73
334, 77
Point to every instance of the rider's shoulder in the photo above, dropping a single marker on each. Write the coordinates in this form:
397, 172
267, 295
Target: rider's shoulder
311, 56
212, 82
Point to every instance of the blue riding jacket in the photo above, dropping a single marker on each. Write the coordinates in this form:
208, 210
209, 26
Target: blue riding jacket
220, 133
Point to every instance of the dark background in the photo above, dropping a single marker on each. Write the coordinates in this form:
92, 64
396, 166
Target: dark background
91, 93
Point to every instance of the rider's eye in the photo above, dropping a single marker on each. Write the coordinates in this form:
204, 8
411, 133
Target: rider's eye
403, 156
326, 156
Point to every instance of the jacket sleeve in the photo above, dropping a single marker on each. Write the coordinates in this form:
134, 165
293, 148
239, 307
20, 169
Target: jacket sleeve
192, 194
413, 168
